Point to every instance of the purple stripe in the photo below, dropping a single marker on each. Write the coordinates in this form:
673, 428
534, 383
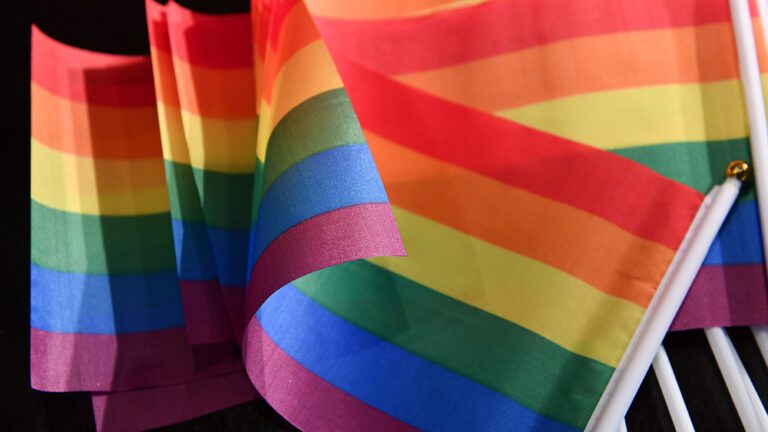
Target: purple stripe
729, 295
102, 362
160, 406
205, 313
331, 238
306, 400
213, 313
234, 299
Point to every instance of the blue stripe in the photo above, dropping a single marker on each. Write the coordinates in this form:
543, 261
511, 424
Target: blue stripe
206, 253
194, 257
387, 377
104, 304
230, 247
340, 177
739, 240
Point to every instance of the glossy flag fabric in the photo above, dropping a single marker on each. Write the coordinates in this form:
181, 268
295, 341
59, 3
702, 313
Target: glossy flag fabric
203, 212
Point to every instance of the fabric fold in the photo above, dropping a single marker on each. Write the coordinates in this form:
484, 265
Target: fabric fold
148, 198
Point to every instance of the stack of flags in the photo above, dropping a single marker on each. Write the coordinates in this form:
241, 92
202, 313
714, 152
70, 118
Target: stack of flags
235, 201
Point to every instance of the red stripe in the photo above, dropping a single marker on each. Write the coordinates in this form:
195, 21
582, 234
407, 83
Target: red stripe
154, 407
296, 34
208, 40
306, 400
157, 26
722, 296
91, 77
455, 36
277, 14
609, 186
331, 238
101, 362
260, 18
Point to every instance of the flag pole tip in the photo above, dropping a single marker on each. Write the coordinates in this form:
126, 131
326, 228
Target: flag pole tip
738, 169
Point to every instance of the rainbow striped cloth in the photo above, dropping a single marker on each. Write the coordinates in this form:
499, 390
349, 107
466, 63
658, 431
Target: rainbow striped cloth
542, 159
155, 203
655, 82
106, 313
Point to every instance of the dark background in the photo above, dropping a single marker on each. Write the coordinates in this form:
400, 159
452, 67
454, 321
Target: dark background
119, 27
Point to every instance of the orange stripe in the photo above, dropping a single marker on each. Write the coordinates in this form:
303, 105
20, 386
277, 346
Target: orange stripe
576, 242
376, 9
298, 30
309, 72
165, 79
90, 130
588, 64
209, 92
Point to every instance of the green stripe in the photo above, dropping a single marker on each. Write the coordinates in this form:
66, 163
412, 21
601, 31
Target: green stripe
699, 165
485, 348
101, 244
220, 200
319, 123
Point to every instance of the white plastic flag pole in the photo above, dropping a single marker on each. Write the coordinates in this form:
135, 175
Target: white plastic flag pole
751, 410
749, 70
757, 404
645, 343
737, 381
761, 337
671, 392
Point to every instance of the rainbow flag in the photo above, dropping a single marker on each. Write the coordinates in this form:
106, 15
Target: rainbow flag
205, 87
544, 160
155, 201
222, 206
106, 311
661, 89
575, 93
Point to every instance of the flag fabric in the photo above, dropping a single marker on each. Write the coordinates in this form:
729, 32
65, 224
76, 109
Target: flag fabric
103, 276
106, 311
205, 86
543, 161
154, 203
661, 89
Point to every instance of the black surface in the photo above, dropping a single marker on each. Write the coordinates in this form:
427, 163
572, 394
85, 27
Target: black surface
119, 27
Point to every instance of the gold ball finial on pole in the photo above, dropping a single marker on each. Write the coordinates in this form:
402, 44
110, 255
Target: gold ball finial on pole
739, 170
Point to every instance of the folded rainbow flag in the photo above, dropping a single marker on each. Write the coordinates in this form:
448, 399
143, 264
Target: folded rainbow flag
543, 161
655, 82
154, 203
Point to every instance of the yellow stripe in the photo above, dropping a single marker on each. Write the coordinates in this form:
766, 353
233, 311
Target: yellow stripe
584, 65
172, 134
549, 302
223, 145
97, 186
584, 245
642, 116
307, 73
